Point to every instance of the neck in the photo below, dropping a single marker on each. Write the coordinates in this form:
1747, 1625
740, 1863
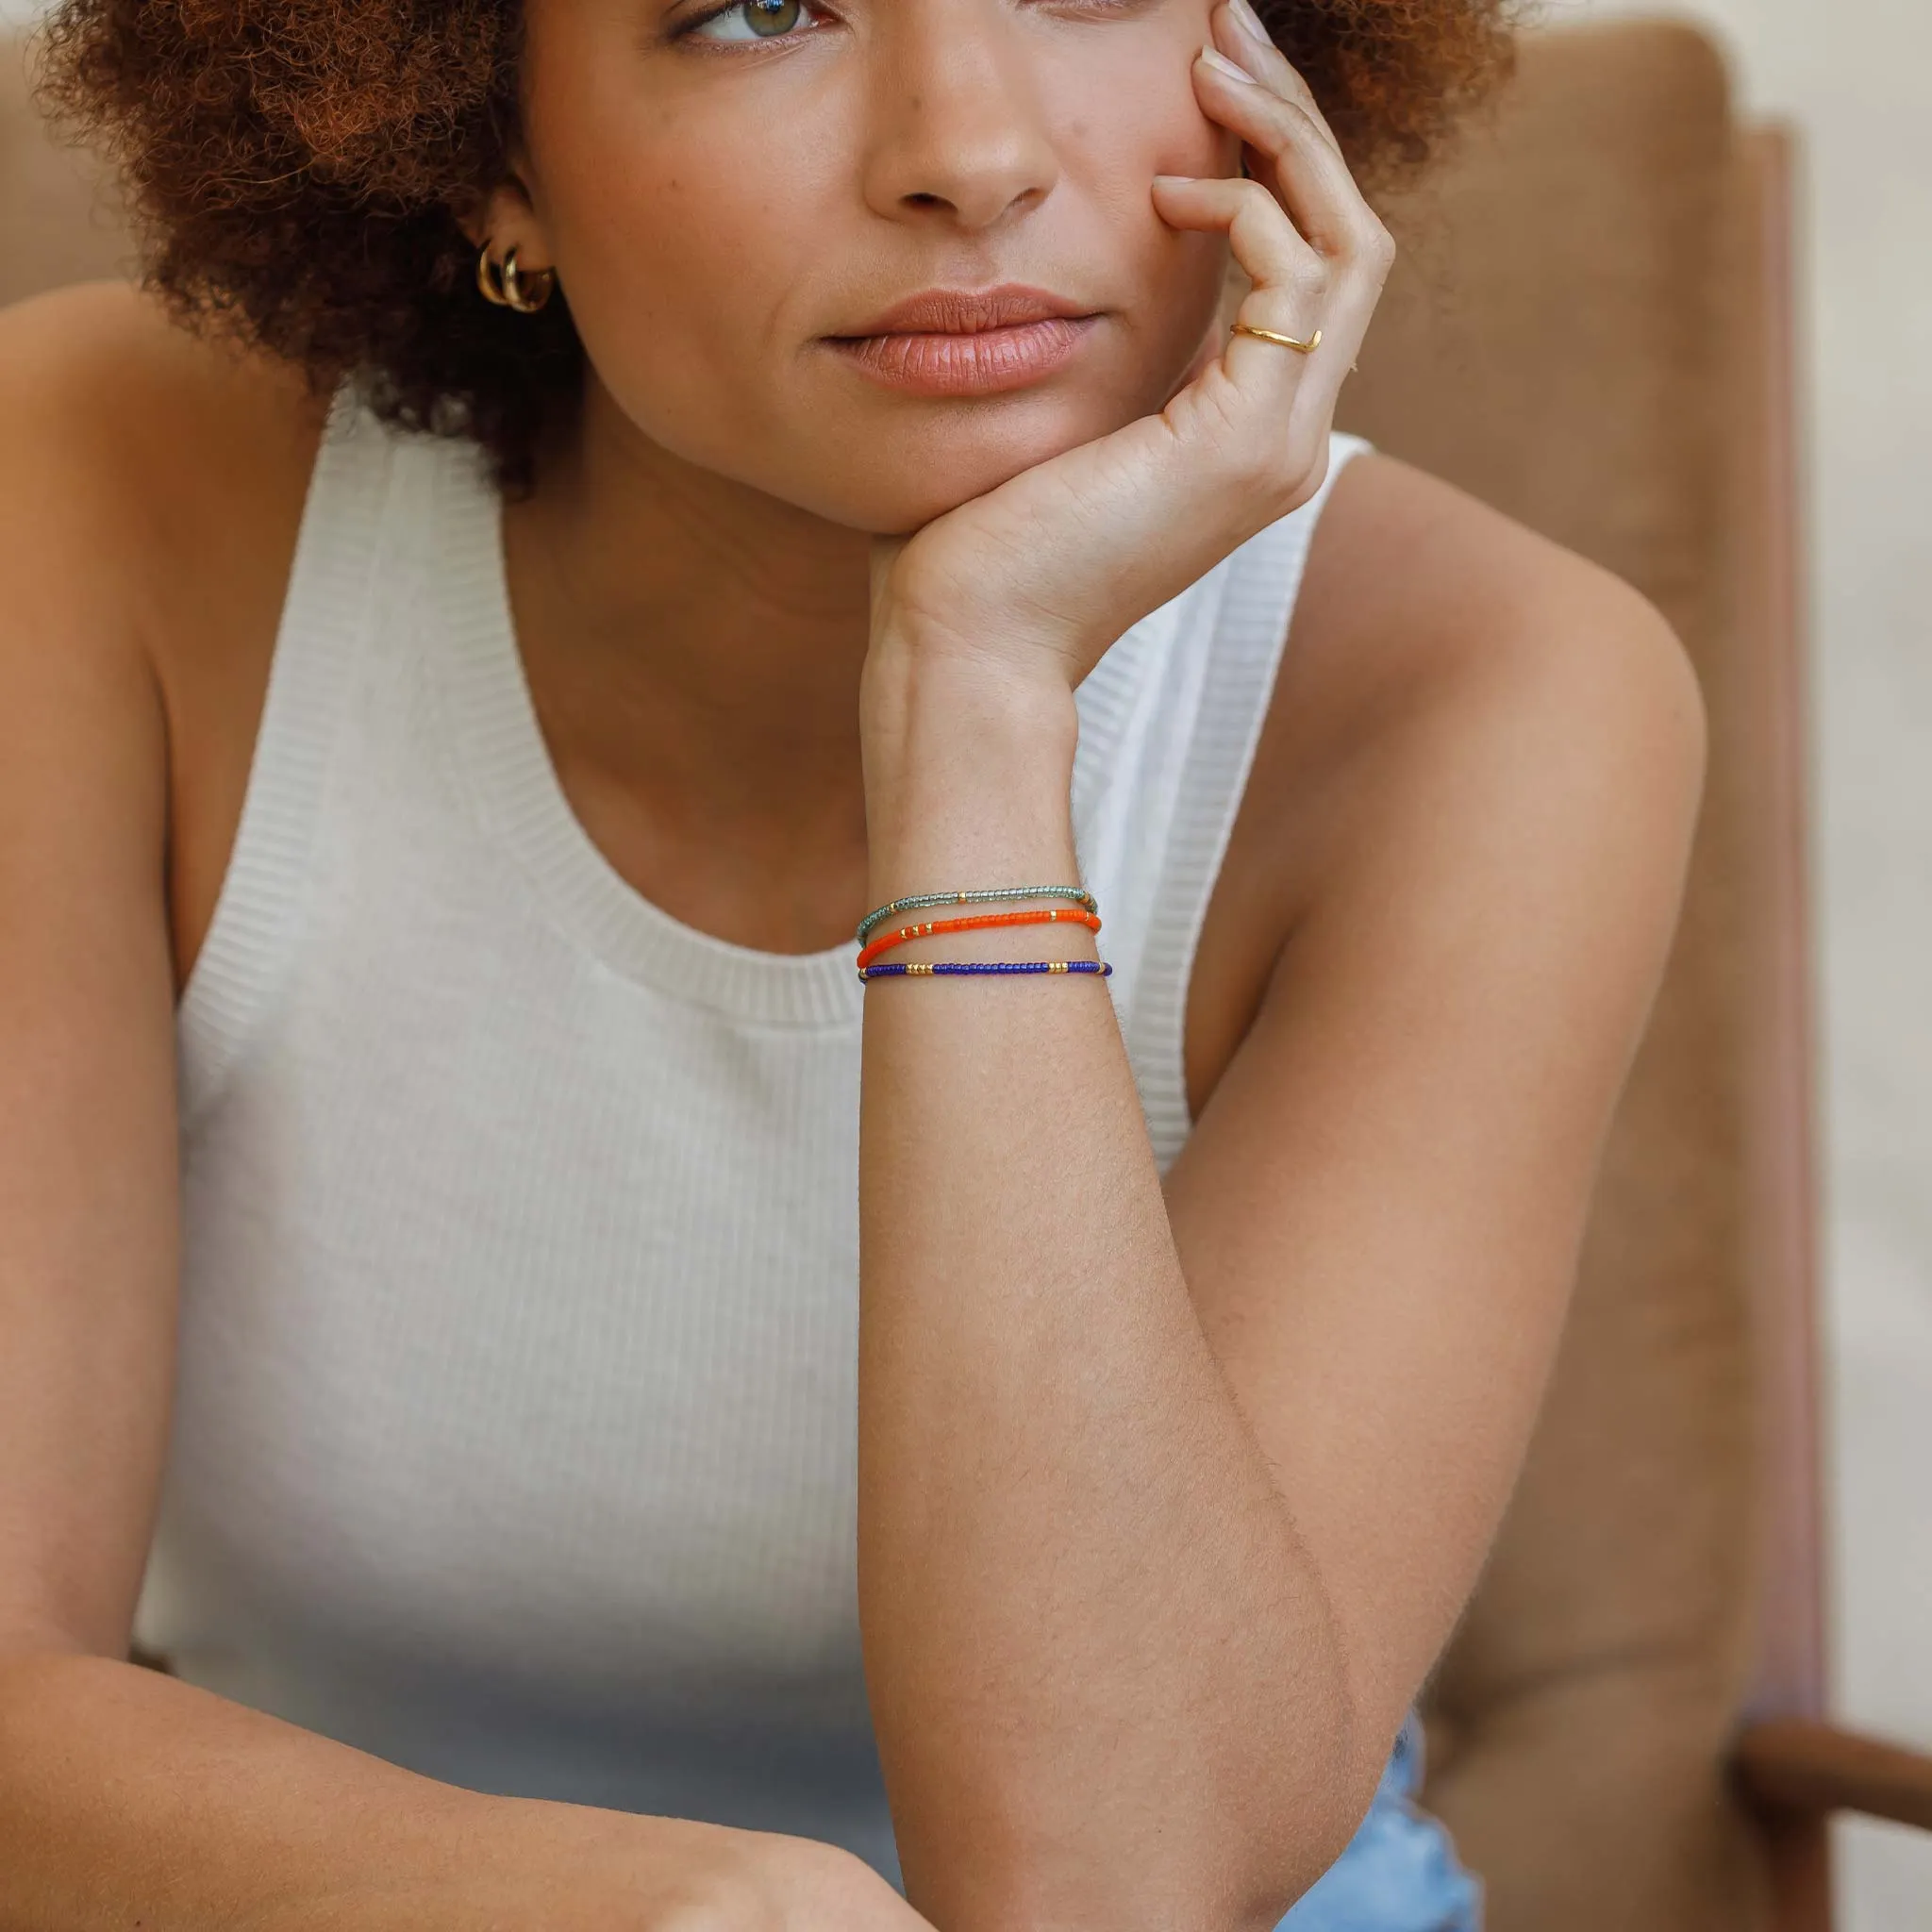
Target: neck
694, 647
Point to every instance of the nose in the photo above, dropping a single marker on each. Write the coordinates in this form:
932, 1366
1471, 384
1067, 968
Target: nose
959, 131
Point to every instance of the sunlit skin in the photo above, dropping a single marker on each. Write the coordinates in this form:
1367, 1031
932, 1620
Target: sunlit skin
716, 202
1172, 1487
692, 570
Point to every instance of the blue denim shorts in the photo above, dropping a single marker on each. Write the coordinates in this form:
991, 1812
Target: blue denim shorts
1399, 1873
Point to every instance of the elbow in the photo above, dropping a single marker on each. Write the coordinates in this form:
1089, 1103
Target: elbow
1301, 1849
1236, 1845
1295, 1816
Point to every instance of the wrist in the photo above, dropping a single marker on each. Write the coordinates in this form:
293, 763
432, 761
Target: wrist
968, 776
910, 681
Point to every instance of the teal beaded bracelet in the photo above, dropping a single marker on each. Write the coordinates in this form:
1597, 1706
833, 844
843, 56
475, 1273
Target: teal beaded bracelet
919, 900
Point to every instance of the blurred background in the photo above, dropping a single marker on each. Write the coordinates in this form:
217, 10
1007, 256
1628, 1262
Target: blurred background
1851, 78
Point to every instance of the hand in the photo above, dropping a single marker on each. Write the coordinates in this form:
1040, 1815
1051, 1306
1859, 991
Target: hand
1039, 575
533, 1865
784, 1884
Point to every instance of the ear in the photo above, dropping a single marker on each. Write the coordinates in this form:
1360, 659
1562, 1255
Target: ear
502, 219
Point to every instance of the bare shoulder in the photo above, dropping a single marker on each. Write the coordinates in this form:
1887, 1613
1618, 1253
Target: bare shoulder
148, 520
1439, 647
1463, 707
148, 462
103, 359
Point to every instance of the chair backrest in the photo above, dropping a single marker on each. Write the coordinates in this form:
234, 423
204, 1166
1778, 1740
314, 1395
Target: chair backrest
1578, 341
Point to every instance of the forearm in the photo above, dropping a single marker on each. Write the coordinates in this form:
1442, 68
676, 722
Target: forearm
129, 1799
1108, 1686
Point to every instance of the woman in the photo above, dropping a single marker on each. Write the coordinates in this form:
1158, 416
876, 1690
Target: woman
658, 489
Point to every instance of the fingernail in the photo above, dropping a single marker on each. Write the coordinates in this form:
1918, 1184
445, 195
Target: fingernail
1224, 65
1249, 22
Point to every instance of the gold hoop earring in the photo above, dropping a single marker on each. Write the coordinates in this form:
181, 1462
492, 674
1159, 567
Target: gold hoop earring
507, 287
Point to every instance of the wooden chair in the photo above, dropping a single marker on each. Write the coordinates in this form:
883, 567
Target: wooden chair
1592, 330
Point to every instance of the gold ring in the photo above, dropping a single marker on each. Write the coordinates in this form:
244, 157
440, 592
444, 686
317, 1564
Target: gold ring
1268, 335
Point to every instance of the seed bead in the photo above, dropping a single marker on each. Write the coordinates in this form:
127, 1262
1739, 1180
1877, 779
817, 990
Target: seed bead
917, 901
929, 969
1060, 915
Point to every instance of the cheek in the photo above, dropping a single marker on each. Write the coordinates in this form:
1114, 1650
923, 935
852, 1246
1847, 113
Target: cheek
1175, 277
681, 259
698, 264
1126, 102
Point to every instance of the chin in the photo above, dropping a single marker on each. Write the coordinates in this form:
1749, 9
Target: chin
892, 482
895, 500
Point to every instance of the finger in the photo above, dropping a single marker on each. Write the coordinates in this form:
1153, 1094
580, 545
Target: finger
1289, 280
1243, 38
1266, 406
1313, 178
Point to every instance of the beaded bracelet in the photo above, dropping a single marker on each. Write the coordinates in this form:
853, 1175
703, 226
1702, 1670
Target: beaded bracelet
923, 899
1042, 915
917, 970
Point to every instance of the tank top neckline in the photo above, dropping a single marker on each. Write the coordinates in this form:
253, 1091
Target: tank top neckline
513, 789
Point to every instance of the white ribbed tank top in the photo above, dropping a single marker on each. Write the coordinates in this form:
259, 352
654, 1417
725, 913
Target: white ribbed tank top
515, 1430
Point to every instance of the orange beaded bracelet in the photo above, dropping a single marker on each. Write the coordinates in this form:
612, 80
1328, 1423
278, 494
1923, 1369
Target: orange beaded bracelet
1051, 915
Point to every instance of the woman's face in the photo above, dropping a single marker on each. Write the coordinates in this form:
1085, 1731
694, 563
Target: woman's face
722, 191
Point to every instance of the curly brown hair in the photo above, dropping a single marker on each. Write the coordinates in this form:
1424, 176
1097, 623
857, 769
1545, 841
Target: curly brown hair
298, 168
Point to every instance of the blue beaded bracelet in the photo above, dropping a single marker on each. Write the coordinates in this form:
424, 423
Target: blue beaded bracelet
921, 970
918, 900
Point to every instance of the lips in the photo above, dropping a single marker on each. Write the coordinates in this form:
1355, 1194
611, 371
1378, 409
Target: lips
967, 342
966, 311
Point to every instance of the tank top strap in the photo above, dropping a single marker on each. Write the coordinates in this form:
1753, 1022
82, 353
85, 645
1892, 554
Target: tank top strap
326, 618
1169, 720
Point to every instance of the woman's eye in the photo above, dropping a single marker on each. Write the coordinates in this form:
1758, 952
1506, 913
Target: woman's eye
763, 20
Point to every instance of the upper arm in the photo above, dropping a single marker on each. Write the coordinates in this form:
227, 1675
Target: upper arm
1380, 1210
87, 1118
